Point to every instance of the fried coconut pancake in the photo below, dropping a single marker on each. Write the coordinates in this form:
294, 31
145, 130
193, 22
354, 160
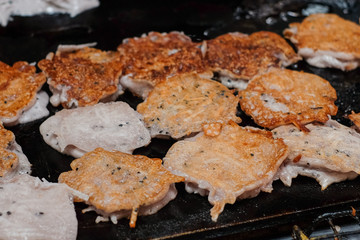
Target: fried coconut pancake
121, 185
327, 40
238, 57
155, 57
284, 96
19, 85
32, 209
12, 160
329, 153
112, 126
183, 104
81, 77
236, 164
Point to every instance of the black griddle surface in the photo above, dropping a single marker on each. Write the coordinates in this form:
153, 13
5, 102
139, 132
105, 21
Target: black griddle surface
266, 216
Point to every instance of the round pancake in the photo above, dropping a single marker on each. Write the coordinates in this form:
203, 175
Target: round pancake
81, 77
330, 148
331, 40
116, 181
181, 105
284, 96
241, 56
237, 163
19, 85
332, 144
111, 126
326, 31
156, 56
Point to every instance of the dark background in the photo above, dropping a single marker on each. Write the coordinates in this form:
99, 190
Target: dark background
188, 217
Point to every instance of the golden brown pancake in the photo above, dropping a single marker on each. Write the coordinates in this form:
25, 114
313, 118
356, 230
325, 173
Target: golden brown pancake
82, 77
116, 181
19, 85
237, 163
327, 40
155, 57
284, 96
181, 105
239, 56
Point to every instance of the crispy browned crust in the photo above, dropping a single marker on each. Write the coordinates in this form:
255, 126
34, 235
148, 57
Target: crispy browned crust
245, 56
233, 162
117, 181
8, 160
284, 96
18, 87
327, 32
182, 104
157, 56
89, 74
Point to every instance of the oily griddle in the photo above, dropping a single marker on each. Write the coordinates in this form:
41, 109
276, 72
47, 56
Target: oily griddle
187, 217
